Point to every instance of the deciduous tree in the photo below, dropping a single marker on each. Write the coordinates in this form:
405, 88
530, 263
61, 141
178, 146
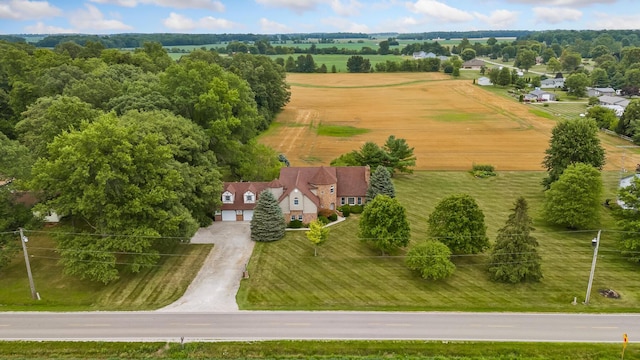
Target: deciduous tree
358, 64
574, 200
267, 223
432, 259
514, 257
572, 141
384, 224
317, 234
577, 84
458, 222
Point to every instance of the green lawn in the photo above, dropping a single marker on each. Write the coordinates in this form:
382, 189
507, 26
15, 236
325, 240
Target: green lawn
349, 275
355, 350
149, 289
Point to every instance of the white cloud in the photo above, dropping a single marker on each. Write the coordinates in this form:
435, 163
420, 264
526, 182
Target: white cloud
179, 22
272, 27
499, 19
27, 10
350, 9
298, 6
345, 25
616, 22
440, 11
41, 28
212, 5
401, 25
555, 15
564, 2
92, 19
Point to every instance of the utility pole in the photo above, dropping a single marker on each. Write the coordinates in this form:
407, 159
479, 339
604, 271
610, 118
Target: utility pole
24, 240
593, 266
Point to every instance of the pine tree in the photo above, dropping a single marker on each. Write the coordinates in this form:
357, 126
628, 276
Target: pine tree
514, 257
380, 183
267, 223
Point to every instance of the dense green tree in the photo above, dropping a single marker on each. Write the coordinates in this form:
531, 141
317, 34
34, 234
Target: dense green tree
144, 93
458, 222
628, 218
468, 54
400, 155
383, 47
348, 159
258, 162
49, 117
604, 117
572, 141
525, 59
384, 224
358, 64
380, 183
514, 257
124, 188
599, 78
432, 259
267, 223
15, 159
371, 154
317, 234
577, 84
570, 60
630, 120
554, 65
574, 200
504, 77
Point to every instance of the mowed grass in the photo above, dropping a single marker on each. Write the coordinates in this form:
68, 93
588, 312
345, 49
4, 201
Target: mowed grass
150, 289
349, 275
340, 130
329, 349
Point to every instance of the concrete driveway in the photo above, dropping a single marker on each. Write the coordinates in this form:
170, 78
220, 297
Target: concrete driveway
215, 287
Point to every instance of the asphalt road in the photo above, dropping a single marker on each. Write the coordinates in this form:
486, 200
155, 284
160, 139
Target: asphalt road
158, 326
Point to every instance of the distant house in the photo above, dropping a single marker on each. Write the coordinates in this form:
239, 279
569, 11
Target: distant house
591, 91
540, 95
613, 100
473, 64
552, 83
301, 192
28, 199
484, 81
619, 110
419, 55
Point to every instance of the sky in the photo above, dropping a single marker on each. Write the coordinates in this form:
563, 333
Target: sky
305, 16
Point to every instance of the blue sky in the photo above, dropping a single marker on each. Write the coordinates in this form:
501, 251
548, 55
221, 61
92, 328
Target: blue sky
291, 16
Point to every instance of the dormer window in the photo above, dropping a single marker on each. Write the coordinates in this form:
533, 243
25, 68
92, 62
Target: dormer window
227, 197
249, 197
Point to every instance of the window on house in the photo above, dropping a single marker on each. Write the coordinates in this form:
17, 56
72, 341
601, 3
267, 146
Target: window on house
342, 201
293, 217
249, 197
351, 201
333, 189
295, 201
227, 198
300, 217
359, 201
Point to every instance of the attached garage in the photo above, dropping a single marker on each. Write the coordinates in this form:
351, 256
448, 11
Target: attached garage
228, 215
247, 215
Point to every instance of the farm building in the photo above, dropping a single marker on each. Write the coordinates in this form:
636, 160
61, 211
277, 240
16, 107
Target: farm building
301, 192
473, 64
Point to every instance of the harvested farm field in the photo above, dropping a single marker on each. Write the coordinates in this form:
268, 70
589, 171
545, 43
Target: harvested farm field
451, 123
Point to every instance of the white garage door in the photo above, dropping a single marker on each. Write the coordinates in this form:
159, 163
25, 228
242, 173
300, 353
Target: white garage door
247, 215
228, 215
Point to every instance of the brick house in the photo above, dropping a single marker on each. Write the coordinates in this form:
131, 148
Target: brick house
301, 192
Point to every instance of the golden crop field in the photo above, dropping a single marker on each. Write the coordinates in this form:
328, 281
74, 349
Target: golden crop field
451, 123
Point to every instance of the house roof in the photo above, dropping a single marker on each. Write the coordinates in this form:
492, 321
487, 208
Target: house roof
473, 62
352, 180
613, 100
238, 189
323, 177
349, 180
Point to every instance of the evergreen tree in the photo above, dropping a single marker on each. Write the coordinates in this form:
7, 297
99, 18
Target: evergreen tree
514, 257
380, 183
267, 223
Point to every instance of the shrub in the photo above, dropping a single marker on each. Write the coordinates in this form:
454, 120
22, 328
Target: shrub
323, 220
483, 170
346, 210
325, 212
356, 209
333, 217
295, 224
